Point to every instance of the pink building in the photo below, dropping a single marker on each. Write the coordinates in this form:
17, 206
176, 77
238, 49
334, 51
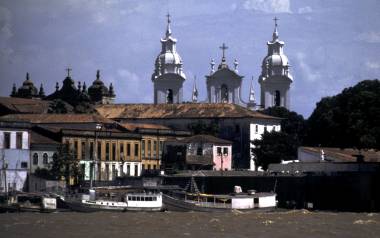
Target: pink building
199, 152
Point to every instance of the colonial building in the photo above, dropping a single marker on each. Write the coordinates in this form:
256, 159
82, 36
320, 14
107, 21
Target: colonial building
275, 78
152, 143
233, 122
198, 152
168, 76
14, 156
224, 84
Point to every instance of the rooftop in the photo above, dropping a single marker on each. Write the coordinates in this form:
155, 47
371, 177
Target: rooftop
347, 155
56, 118
172, 111
204, 139
23, 105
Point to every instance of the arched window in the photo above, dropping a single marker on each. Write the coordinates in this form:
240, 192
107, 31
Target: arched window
35, 158
55, 156
169, 96
224, 93
277, 98
45, 159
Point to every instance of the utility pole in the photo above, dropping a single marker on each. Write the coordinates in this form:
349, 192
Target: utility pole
98, 127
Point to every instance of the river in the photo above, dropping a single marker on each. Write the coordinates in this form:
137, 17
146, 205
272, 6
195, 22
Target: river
294, 223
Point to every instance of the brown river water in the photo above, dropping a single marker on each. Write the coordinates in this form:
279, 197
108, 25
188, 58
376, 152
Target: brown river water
294, 223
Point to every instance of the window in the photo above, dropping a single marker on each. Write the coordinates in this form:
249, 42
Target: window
76, 149
219, 150
199, 150
45, 159
148, 166
83, 150
113, 151
257, 129
107, 151
107, 171
7, 140
128, 149
113, 172
169, 96
55, 156
154, 149
143, 149
225, 150
154, 167
224, 93
136, 149
265, 129
277, 98
136, 170
18, 140
121, 170
24, 165
91, 150
35, 158
128, 169
160, 149
99, 153
121, 151
149, 148
237, 128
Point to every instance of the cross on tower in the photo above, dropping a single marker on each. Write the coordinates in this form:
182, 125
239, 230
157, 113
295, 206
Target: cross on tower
223, 48
168, 16
68, 72
275, 20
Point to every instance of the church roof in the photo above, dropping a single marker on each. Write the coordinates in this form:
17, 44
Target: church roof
172, 111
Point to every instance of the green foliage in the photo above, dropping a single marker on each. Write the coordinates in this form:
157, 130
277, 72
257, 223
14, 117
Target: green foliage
200, 127
65, 165
350, 119
44, 174
274, 147
84, 107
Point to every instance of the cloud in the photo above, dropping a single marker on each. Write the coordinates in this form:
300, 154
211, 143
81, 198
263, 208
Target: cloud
307, 73
131, 83
5, 33
373, 65
304, 10
370, 37
268, 6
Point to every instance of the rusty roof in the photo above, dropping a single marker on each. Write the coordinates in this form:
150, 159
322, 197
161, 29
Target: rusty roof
134, 126
24, 105
184, 110
347, 154
203, 139
56, 118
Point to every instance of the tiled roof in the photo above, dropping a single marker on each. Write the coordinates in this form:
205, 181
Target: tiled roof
56, 118
204, 139
37, 138
23, 105
134, 126
344, 154
184, 110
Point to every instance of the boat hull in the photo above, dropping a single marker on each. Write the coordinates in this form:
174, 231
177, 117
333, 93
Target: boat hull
175, 204
83, 207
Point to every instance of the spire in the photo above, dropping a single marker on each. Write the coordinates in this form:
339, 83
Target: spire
68, 72
42, 92
98, 74
14, 91
111, 92
223, 64
168, 30
84, 88
56, 86
195, 91
79, 86
236, 64
252, 93
212, 64
27, 75
275, 32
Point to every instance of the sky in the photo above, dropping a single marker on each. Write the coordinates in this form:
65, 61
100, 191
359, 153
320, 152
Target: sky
331, 44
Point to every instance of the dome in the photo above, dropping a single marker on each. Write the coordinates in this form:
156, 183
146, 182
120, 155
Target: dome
276, 60
28, 89
169, 58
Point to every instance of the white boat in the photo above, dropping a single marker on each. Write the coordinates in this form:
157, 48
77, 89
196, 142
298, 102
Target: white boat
128, 202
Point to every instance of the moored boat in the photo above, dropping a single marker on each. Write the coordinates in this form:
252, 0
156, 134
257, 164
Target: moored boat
126, 202
29, 202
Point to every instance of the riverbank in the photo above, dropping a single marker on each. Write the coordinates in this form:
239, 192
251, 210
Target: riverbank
295, 223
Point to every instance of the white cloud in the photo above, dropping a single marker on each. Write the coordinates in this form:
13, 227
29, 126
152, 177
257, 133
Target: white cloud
268, 6
130, 86
373, 65
370, 37
304, 10
5, 33
308, 73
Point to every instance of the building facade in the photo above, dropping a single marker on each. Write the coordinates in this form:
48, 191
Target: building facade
275, 78
14, 156
168, 76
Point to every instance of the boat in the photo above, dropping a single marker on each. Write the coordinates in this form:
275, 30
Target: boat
28, 202
143, 201
182, 200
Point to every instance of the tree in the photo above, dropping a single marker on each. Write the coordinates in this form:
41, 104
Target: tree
59, 106
65, 165
349, 119
274, 147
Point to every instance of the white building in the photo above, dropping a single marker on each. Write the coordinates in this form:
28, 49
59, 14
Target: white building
14, 156
275, 78
256, 130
